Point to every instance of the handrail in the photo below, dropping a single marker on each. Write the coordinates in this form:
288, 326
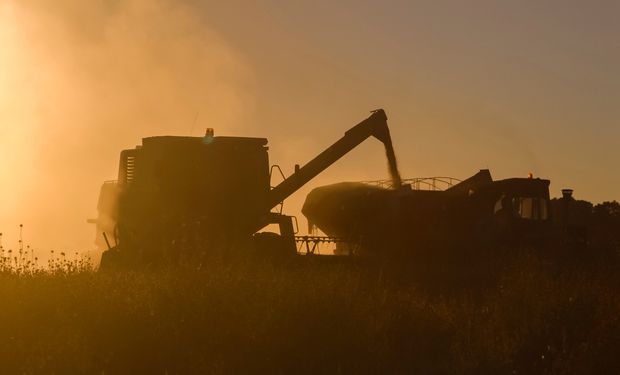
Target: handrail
438, 183
311, 243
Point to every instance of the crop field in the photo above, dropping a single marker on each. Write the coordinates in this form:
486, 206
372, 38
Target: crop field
538, 316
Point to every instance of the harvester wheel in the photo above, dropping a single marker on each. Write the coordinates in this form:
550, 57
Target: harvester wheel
270, 245
112, 259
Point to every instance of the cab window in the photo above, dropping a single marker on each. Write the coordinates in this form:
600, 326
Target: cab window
532, 208
526, 207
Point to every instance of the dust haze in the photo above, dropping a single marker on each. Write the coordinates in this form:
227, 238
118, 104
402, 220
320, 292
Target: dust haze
510, 91
79, 81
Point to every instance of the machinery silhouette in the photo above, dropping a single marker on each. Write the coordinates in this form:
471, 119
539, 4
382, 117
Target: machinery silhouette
396, 223
176, 195
182, 197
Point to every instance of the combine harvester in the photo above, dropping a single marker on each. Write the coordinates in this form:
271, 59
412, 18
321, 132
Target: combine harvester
176, 197
183, 197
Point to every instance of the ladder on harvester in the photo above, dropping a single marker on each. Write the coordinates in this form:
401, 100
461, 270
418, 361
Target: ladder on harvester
128, 167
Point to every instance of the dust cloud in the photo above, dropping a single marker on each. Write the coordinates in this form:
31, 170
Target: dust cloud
81, 80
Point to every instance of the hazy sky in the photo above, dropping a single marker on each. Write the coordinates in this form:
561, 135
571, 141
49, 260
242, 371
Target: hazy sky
513, 86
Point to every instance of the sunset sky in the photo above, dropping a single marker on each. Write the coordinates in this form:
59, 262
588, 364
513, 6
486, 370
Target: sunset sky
513, 86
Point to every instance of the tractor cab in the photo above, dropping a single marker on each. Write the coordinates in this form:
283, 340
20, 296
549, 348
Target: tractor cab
519, 208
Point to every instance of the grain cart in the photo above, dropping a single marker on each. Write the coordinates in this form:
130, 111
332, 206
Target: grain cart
376, 221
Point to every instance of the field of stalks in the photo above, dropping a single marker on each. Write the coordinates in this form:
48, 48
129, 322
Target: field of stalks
538, 316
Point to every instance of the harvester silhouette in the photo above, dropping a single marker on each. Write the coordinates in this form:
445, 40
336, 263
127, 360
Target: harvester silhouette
187, 194
179, 197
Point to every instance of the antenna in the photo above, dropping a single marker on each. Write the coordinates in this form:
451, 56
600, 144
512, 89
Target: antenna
194, 123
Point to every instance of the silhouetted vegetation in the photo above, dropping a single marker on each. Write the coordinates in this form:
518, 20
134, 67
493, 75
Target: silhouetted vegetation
544, 315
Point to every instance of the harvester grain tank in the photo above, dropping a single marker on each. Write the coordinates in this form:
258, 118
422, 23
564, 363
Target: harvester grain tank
177, 196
